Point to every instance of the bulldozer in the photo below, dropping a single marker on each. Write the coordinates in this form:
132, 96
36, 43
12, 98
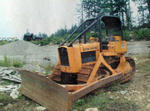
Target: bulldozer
92, 57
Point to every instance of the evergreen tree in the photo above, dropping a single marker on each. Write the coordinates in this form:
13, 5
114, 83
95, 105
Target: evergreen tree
144, 11
112, 7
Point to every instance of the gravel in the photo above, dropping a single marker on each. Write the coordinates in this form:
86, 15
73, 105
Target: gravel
138, 47
44, 55
29, 52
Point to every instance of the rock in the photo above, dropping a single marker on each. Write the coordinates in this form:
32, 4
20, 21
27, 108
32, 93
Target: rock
123, 92
109, 92
14, 94
40, 108
2, 68
148, 106
8, 88
11, 75
117, 97
8, 71
139, 97
129, 98
8, 107
74, 110
91, 109
131, 40
147, 76
1, 104
111, 97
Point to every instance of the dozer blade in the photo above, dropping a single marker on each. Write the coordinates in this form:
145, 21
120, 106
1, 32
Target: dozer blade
52, 95
45, 92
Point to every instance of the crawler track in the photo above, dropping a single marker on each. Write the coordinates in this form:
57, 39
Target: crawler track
85, 71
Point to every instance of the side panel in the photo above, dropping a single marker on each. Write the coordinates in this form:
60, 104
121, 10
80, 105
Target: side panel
89, 56
45, 92
74, 60
115, 48
78, 55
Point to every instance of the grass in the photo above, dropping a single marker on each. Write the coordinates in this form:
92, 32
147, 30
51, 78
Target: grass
103, 102
5, 82
106, 99
117, 87
142, 62
5, 99
48, 68
20, 104
110, 99
7, 62
17, 64
3, 42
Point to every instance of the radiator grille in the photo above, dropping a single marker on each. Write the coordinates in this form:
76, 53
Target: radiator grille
63, 56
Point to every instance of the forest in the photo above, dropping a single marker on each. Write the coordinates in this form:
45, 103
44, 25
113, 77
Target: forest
135, 28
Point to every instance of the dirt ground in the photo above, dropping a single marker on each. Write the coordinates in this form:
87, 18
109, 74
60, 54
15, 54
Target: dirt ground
131, 96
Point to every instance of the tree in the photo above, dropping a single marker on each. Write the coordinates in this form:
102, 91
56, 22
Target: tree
148, 4
144, 11
112, 7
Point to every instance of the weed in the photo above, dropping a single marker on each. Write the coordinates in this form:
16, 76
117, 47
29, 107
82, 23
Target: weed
103, 102
116, 87
143, 63
3, 42
7, 62
21, 96
5, 99
17, 64
20, 104
5, 82
47, 68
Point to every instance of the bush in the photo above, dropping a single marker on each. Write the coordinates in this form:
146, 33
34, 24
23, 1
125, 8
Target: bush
135, 34
43, 42
46, 41
127, 35
142, 34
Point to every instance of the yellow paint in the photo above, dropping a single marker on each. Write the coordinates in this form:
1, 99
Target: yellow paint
74, 56
115, 48
117, 38
124, 67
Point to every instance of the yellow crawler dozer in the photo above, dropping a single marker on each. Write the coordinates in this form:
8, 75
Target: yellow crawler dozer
91, 60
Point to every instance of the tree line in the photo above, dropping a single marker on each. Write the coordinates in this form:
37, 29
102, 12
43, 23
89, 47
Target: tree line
121, 8
134, 28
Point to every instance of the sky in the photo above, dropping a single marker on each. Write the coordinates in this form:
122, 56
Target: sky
16, 16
